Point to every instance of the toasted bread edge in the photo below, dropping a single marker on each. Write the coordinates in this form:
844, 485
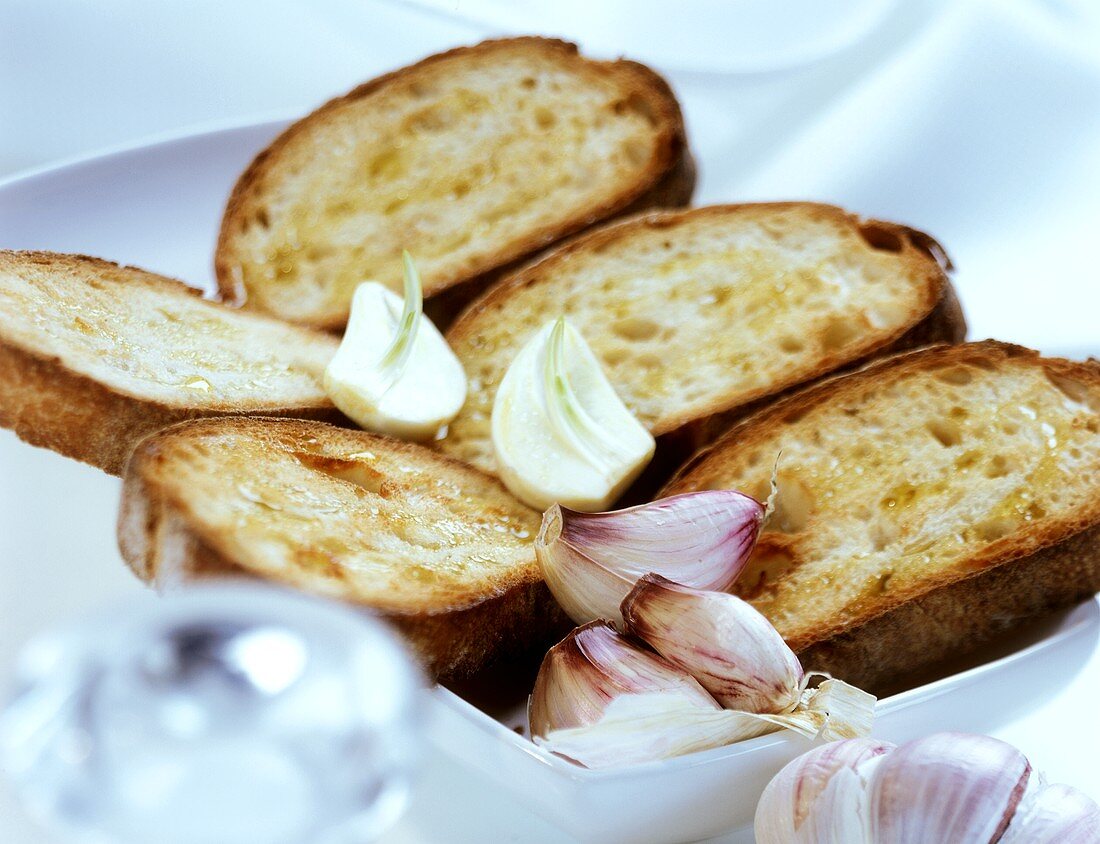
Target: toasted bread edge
670, 184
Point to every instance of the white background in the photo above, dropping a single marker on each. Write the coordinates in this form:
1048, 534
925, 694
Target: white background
977, 121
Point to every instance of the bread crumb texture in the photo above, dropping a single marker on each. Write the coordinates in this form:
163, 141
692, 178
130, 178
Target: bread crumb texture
345, 513
156, 339
915, 477
459, 160
695, 312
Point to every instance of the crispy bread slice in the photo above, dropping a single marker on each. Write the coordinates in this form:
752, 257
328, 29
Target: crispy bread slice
94, 356
438, 548
926, 503
472, 160
698, 315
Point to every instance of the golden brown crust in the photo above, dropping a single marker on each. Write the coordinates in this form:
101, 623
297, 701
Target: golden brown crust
956, 618
161, 538
48, 404
955, 609
670, 181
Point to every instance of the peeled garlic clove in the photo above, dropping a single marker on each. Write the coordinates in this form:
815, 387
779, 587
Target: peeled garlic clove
394, 373
591, 561
788, 799
560, 432
593, 666
725, 644
1054, 814
946, 787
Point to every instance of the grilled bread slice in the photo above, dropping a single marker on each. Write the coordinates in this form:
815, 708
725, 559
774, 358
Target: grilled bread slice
697, 315
438, 548
926, 503
471, 160
94, 356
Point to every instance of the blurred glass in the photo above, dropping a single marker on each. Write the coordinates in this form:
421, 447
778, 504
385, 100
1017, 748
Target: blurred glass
222, 713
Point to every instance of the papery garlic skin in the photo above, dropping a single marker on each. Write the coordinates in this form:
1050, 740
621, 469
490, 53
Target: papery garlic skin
721, 640
593, 666
560, 432
591, 561
393, 372
1054, 814
947, 787
644, 727
788, 799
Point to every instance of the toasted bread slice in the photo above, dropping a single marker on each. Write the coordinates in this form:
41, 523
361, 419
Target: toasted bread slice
94, 356
440, 549
926, 503
699, 314
471, 160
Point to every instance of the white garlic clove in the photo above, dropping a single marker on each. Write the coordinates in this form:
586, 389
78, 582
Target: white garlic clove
722, 641
788, 799
946, 787
593, 666
1054, 814
591, 561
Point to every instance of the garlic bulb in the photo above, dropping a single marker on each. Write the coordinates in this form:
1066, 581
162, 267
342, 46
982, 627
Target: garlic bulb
788, 798
729, 647
592, 666
949, 787
591, 561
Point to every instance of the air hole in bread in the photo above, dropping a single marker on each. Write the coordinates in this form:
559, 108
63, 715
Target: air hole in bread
838, 333
955, 375
638, 104
947, 432
1073, 390
545, 118
261, 218
768, 565
794, 416
359, 473
880, 237
615, 355
882, 533
648, 360
635, 328
1010, 427
791, 345
992, 529
528, 82
997, 467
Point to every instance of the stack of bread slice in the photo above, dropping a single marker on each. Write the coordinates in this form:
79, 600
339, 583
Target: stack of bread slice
927, 499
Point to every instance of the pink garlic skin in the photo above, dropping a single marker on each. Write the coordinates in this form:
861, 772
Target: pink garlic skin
790, 796
721, 640
593, 665
590, 561
1058, 814
947, 787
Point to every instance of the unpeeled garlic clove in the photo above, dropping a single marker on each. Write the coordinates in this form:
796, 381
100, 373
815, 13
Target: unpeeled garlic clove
591, 561
592, 667
722, 641
1054, 814
643, 727
946, 787
788, 799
